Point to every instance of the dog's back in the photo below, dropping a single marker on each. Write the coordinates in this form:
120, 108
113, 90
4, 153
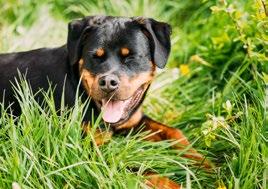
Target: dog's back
38, 66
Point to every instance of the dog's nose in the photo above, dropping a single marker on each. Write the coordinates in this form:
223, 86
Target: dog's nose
109, 83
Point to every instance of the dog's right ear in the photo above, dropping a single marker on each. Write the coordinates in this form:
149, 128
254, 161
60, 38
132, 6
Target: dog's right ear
159, 39
76, 32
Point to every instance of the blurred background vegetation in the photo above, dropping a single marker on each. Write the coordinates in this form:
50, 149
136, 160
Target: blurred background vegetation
214, 87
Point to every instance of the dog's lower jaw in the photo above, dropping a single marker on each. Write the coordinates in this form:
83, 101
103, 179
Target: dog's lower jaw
133, 121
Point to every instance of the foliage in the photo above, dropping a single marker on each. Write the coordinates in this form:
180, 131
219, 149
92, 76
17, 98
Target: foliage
214, 90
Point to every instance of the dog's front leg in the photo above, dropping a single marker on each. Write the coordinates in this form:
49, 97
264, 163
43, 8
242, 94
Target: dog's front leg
163, 132
159, 182
100, 136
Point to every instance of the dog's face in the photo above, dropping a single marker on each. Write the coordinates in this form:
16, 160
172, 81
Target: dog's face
116, 59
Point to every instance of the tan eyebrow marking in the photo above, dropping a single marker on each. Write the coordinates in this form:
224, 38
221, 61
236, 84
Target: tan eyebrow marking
124, 51
100, 52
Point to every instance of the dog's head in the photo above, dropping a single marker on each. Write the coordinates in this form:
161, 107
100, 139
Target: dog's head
116, 59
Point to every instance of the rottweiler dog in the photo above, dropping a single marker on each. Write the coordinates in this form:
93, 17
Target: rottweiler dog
115, 58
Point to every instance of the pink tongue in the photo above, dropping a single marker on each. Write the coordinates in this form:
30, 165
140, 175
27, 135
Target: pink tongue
113, 111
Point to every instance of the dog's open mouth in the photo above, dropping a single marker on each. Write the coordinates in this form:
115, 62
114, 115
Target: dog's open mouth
118, 111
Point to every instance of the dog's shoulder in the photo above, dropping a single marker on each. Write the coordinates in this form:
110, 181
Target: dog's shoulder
39, 56
41, 67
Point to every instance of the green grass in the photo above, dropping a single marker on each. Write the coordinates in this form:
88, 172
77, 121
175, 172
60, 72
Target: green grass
220, 104
42, 148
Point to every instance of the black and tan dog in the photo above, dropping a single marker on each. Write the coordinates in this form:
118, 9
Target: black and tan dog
116, 59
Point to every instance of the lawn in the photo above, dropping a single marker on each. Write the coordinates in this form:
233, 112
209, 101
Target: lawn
214, 89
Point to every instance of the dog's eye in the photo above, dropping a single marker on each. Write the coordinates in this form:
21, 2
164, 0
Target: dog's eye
124, 52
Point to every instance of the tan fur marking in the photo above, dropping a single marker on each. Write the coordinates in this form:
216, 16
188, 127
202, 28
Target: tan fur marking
101, 137
138, 80
133, 120
81, 63
163, 132
159, 182
129, 85
124, 51
100, 52
153, 68
86, 77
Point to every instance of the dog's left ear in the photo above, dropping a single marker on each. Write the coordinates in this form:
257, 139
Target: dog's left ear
76, 32
159, 39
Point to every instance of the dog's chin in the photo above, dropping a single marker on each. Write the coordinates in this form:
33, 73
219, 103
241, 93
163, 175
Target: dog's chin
117, 112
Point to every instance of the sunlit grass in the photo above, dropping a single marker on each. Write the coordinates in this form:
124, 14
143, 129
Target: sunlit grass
44, 148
